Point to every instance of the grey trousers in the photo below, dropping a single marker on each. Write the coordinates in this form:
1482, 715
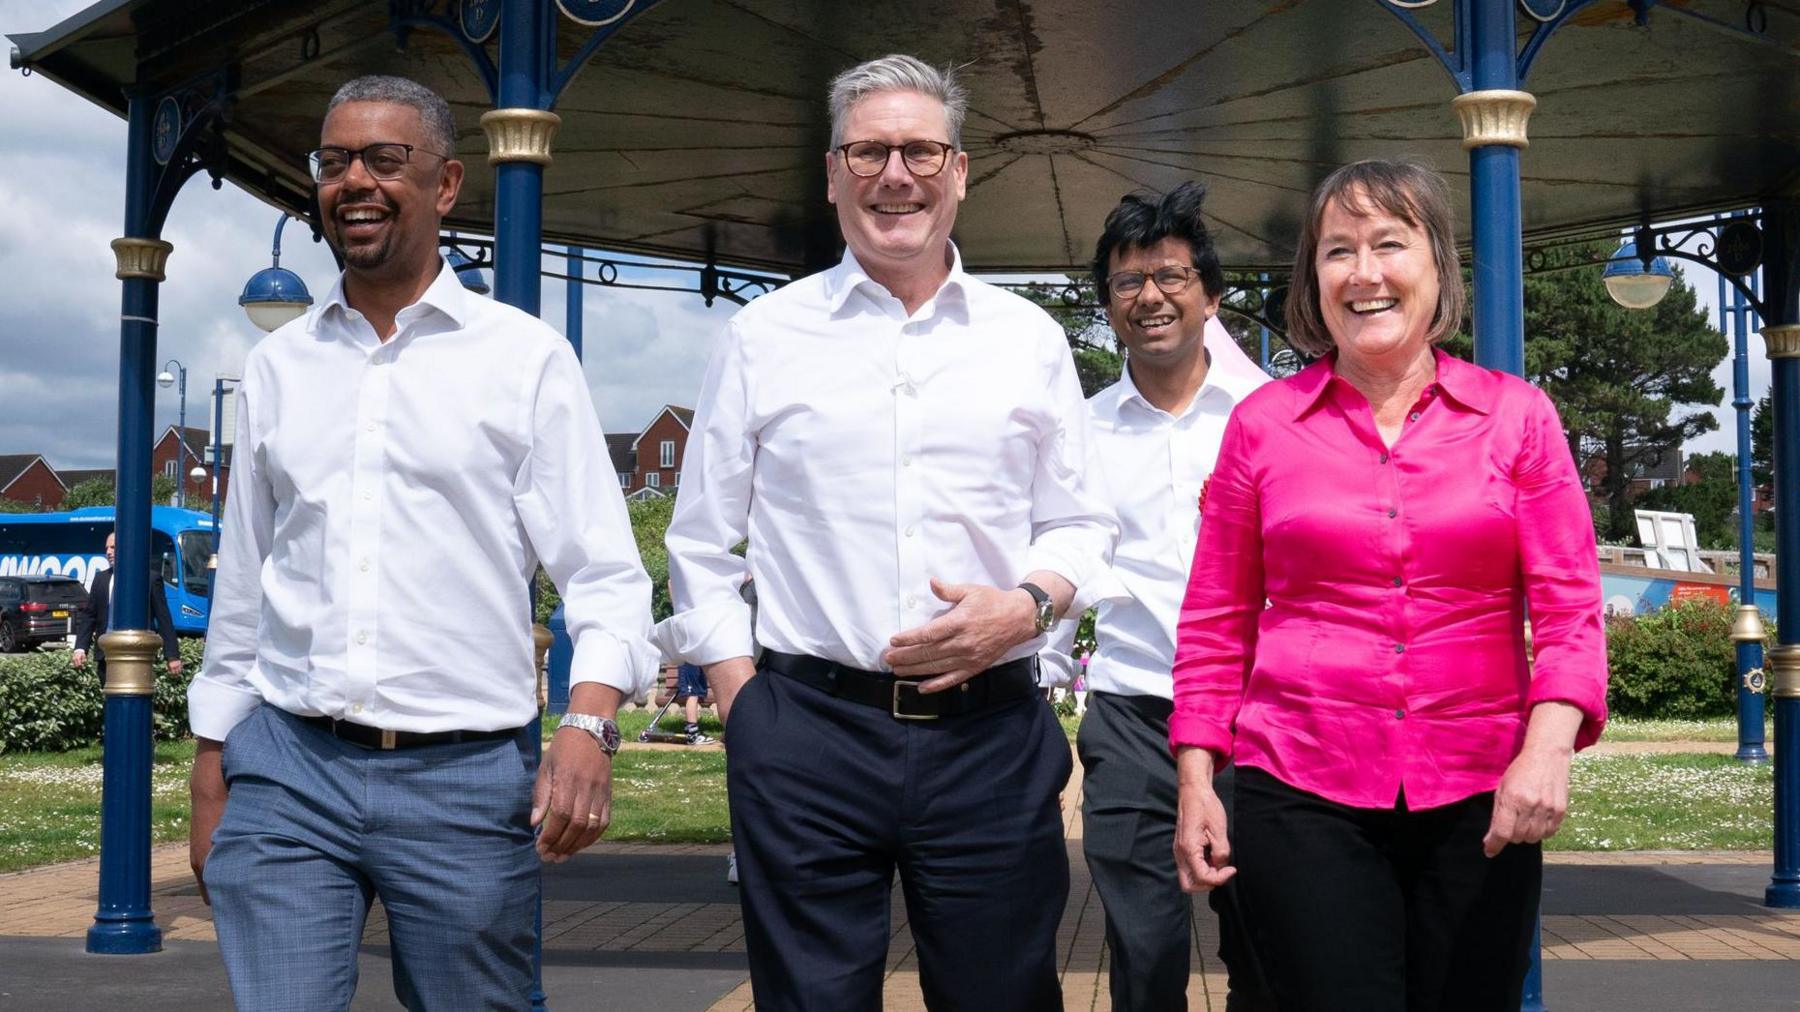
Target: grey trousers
1129, 800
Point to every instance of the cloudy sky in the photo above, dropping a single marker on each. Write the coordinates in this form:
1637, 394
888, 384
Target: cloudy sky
62, 183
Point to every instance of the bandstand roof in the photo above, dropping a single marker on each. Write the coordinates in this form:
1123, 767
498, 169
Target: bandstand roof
699, 127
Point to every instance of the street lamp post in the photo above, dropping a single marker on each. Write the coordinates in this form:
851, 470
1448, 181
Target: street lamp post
166, 379
218, 450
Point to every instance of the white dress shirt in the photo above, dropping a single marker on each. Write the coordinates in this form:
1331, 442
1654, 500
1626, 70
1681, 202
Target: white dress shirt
1155, 465
389, 503
864, 451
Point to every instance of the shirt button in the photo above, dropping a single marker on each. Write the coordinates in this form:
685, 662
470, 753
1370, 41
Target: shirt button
909, 531
1399, 648
906, 460
364, 566
368, 497
1414, 416
371, 426
1399, 714
1392, 513
1384, 458
355, 707
362, 637
912, 601
1396, 581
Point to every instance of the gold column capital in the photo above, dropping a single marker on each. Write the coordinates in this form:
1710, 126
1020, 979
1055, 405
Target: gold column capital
129, 656
1782, 340
1783, 663
519, 135
1747, 625
1496, 116
141, 258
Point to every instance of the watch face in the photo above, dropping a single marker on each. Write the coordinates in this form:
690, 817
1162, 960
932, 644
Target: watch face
609, 736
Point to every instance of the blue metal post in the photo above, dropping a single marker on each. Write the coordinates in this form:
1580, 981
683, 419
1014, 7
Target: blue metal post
1497, 265
1781, 301
1749, 651
527, 35
123, 920
572, 314
218, 453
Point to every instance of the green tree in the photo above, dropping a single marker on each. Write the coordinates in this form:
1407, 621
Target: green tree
649, 522
1712, 499
102, 492
1762, 442
1075, 306
92, 492
1619, 377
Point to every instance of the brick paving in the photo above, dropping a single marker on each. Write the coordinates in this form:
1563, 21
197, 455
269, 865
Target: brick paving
58, 902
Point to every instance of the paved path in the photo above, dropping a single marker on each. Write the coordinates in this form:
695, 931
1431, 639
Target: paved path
652, 928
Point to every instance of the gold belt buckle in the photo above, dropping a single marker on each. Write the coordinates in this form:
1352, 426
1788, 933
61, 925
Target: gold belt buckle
894, 710
387, 739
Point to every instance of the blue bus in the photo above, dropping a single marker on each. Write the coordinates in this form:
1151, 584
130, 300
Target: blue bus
73, 544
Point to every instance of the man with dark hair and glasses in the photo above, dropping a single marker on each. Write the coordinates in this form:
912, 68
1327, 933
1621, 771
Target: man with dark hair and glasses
905, 449
409, 454
1158, 430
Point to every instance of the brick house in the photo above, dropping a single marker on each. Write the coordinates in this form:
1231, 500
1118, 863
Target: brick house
27, 478
648, 463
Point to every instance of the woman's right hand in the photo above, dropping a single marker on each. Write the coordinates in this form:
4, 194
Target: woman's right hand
1202, 851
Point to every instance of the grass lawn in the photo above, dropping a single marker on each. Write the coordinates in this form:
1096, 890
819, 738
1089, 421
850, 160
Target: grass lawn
1667, 802
1707, 729
50, 802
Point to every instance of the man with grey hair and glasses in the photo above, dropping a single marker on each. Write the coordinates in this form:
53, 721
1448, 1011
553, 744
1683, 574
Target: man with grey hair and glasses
906, 450
408, 454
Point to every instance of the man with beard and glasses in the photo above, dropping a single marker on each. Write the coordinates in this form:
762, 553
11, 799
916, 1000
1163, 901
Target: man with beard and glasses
1158, 431
408, 454
905, 449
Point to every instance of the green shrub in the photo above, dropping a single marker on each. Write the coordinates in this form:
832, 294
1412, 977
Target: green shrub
1675, 663
49, 705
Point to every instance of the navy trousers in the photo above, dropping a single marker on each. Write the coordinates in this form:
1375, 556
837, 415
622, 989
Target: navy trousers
1129, 803
829, 798
315, 827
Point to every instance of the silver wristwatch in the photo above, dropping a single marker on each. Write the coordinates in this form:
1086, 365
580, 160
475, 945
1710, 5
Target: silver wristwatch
1046, 608
602, 728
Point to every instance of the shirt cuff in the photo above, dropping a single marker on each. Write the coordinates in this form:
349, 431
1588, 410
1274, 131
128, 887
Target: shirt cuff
1093, 581
1190, 730
606, 659
708, 634
214, 708
1584, 693
1056, 670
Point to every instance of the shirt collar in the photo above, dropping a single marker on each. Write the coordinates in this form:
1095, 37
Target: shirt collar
445, 294
1469, 385
1234, 386
849, 275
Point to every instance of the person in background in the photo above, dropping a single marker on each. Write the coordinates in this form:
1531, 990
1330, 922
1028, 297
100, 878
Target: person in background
1157, 432
690, 688
1352, 637
96, 618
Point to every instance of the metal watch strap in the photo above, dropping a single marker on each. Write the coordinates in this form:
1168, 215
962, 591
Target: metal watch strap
596, 726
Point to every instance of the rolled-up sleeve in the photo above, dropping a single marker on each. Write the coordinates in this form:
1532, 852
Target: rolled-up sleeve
712, 510
574, 515
1215, 637
1073, 528
221, 696
1562, 573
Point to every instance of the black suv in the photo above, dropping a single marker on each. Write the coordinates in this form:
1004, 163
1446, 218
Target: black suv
37, 609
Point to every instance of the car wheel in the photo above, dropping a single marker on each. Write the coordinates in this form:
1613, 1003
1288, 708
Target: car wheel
9, 640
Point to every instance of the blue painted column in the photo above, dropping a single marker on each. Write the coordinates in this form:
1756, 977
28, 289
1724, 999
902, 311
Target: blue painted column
1747, 627
1781, 332
123, 921
572, 312
519, 134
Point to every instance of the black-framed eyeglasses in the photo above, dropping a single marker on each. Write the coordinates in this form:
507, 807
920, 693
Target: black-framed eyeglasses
1169, 280
385, 160
869, 158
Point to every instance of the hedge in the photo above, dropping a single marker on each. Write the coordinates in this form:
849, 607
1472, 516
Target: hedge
49, 705
1676, 663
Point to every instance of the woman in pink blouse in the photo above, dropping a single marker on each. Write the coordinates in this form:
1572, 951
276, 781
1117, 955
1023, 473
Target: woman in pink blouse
1376, 531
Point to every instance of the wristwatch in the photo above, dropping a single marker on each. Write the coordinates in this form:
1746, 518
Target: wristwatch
602, 728
1046, 608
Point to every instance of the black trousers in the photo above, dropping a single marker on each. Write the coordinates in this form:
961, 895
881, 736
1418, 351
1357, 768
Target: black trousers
1128, 809
829, 798
1382, 909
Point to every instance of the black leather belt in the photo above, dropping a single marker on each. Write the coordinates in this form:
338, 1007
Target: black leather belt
377, 738
901, 697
